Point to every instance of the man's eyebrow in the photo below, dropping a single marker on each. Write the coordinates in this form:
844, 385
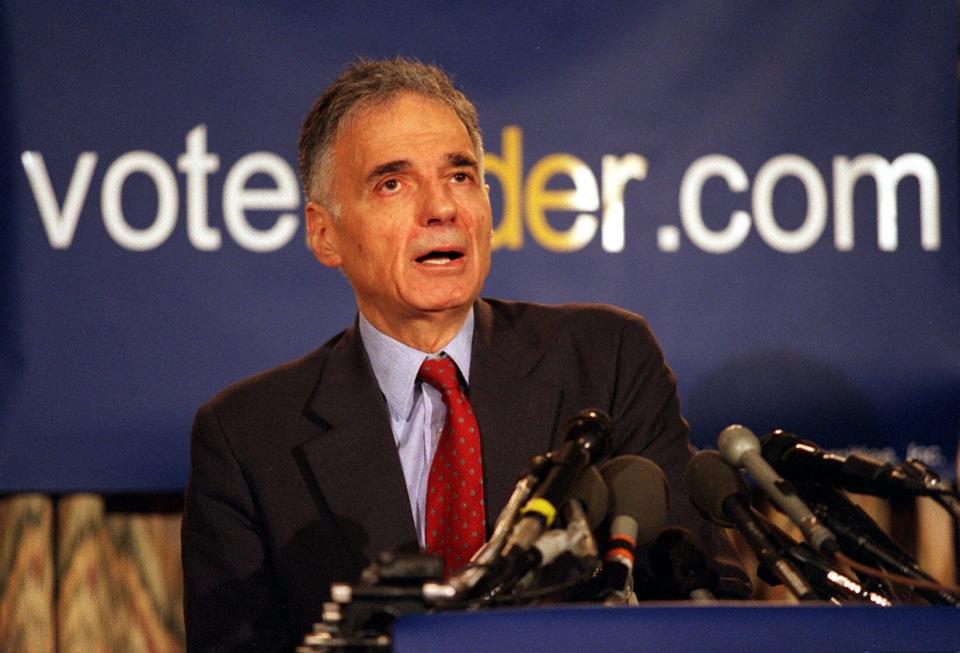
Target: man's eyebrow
388, 168
460, 160
456, 159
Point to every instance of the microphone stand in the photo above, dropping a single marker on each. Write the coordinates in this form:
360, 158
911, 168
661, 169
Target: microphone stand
461, 584
830, 583
773, 558
860, 536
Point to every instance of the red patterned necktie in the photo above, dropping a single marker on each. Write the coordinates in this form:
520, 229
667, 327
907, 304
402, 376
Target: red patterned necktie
454, 507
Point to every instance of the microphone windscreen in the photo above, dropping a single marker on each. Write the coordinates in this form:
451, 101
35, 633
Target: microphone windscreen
638, 488
776, 444
679, 565
593, 428
710, 482
592, 493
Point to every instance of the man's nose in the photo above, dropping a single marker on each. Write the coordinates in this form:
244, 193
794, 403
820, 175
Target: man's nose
439, 204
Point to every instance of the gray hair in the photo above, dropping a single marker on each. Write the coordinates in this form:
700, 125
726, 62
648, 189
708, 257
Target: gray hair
363, 83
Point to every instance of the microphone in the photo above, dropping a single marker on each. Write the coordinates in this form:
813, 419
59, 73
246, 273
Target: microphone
638, 506
464, 579
803, 460
830, 583
680, 567
857, 532
592, 492
861, 537
564, 554
741, 448
560, 552
949, 499
583, 512
719, 492
587, 440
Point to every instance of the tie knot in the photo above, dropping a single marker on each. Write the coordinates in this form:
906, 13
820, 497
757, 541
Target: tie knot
441, 373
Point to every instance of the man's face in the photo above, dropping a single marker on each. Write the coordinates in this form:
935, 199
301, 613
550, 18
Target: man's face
413, 234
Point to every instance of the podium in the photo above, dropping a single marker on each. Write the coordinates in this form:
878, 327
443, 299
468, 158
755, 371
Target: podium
684, 628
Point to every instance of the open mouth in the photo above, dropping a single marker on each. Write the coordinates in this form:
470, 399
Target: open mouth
437, 257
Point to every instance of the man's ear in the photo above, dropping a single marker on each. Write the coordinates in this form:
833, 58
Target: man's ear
322, 235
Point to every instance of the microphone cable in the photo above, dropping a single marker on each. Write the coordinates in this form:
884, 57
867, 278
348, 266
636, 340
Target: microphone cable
832, 584
530, 595
919, 583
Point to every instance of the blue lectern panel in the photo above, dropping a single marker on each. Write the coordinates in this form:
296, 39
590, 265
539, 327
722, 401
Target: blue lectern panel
684, 628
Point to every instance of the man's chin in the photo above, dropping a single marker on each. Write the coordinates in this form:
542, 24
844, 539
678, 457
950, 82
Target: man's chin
446, 305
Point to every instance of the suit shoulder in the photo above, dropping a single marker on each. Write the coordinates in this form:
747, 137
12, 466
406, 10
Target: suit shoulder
289, 382
574, 318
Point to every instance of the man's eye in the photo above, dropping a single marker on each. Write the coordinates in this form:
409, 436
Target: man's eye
461, 177
390, 185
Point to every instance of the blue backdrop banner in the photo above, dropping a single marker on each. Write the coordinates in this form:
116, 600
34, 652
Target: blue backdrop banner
772, 184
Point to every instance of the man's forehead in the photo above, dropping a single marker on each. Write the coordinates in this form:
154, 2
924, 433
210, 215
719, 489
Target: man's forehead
387, 129
410, 108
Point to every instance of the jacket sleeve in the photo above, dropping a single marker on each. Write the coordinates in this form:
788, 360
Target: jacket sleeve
231, 598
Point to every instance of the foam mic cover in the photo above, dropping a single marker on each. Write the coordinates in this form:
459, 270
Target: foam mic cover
638, 510
591, 491
638, 489
679, 566
711, 481
719, 492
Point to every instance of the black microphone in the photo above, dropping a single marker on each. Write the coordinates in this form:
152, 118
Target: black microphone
563, 557
719, 492
587, 440
830, 583
862, 538
583, 512
680, 568
817, 471
803, 460
466, 578
638, 510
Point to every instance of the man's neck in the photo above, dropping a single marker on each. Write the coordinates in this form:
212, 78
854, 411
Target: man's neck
426, 332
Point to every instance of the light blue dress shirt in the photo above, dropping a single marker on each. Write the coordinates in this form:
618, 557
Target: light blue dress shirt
416, 409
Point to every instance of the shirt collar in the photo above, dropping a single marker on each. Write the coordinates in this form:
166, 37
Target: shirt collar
396, 365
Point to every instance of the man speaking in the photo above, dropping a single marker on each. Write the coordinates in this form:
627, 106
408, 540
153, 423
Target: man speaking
409, 428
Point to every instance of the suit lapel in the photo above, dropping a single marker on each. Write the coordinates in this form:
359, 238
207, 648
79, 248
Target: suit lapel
516, 411
354, 462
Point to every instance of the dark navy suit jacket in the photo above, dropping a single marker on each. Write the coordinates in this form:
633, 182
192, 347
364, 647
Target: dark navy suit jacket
296, 482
